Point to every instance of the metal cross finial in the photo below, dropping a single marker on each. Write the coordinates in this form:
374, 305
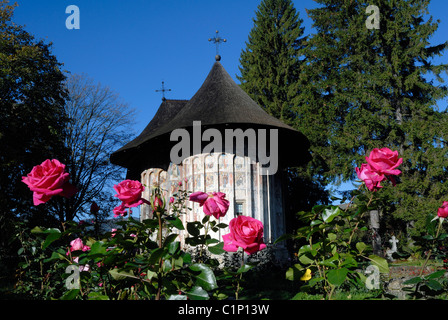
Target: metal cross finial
163, 90
217, 40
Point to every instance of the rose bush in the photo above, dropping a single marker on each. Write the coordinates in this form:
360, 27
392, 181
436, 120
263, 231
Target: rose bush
143, 259
333, 252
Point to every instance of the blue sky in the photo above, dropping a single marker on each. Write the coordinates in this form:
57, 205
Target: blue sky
132, 46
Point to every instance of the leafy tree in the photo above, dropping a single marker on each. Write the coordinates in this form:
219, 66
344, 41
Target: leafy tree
32, 120
364, 88
98, 121
32, 96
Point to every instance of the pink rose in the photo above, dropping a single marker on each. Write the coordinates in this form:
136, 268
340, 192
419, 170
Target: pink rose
130, 192
384, 161
216, 205
442, 212
245, 232
77, 245
49, 179
120, 210
158, 204
371, 178
213, 203
171, 199
199, 197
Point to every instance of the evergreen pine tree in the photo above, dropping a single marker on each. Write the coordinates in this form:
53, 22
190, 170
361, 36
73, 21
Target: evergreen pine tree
270, 67
271, 61
364, 88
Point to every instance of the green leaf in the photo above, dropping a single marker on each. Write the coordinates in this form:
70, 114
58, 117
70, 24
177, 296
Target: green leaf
37, 230
295, 272
97, 296
331, 237
436, 274
120, 275
55, 256
70, 295
174, 247
193, 228
337, 276
361, 246
434, 285
305, 259
329, 214
176, 222
53, 236
244, 268
283, 237
413, 280
98, 248
156, 255
205, 219
218, 249
381, 263
197, 293
177, 297
206, 278
170, 238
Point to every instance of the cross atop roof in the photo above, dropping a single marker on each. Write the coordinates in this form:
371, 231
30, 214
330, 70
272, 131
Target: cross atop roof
217, 40
163, 90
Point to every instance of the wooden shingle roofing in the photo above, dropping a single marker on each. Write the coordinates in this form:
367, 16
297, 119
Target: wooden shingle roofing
219, 103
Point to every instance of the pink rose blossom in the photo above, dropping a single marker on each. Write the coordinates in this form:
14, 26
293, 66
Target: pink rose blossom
442, 212
49, 179
213, 203
77, 245
384, 161
371, 178
120, 210
216, 205
130, 193
245, 232
199, 197
158, 204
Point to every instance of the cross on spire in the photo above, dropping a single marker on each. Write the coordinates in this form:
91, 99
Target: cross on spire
163, 90
217, 40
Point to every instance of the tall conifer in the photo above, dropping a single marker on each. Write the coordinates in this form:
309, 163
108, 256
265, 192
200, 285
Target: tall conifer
270, 68
364, 88
271, 61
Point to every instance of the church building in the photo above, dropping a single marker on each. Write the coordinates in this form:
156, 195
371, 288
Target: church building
253, 186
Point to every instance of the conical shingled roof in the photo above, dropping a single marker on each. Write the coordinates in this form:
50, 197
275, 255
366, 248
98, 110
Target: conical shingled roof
219, 103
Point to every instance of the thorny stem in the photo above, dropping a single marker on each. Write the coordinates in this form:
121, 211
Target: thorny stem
430, 251
241, 276
427, 257
360, 218
159, 276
